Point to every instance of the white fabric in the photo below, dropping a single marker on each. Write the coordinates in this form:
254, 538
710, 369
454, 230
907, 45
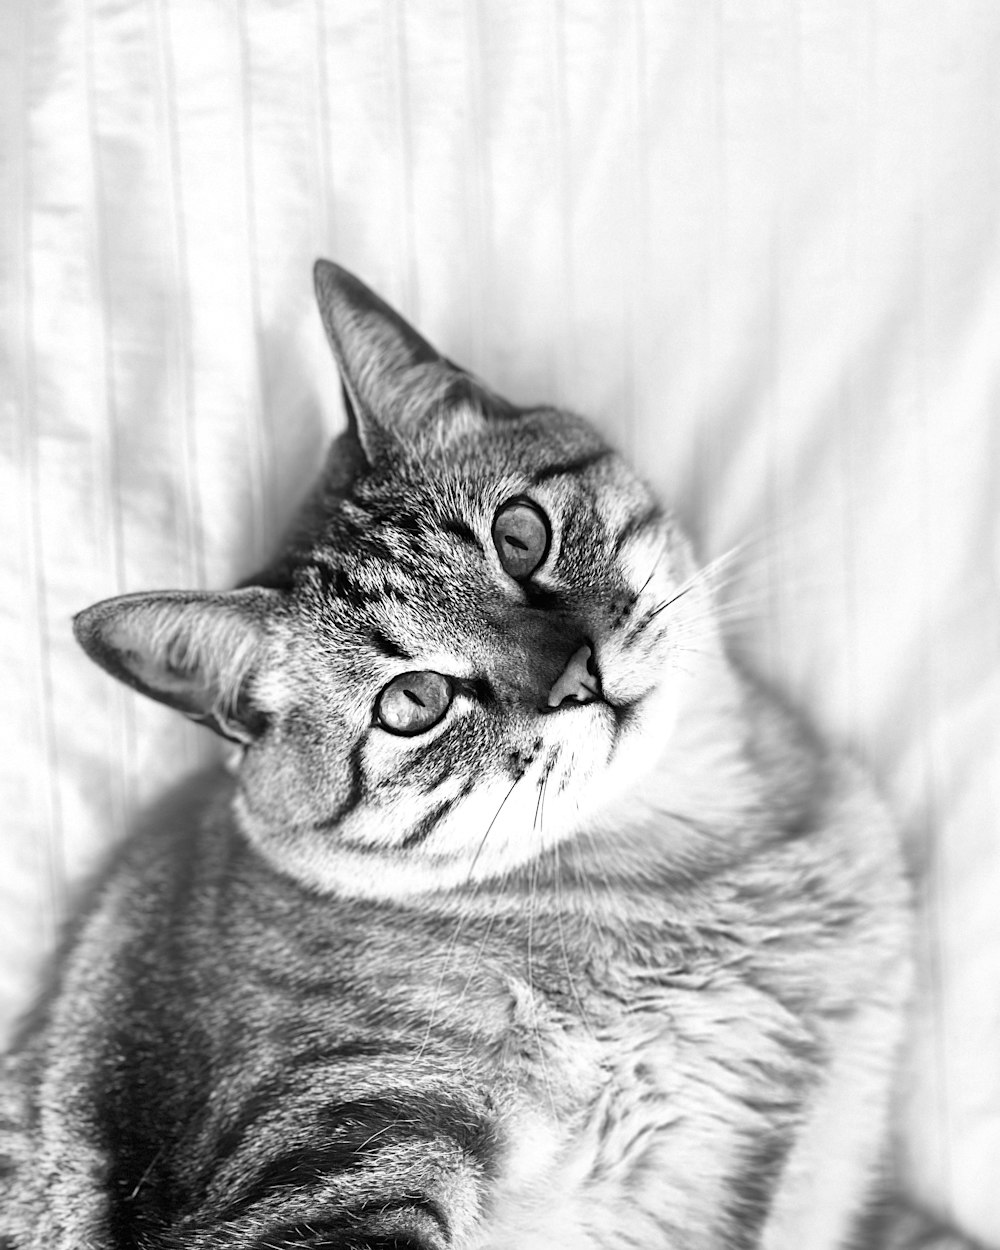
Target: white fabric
756, 239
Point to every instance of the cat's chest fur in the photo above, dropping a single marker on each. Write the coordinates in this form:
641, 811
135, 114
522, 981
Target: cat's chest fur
635, 1122
654, 1076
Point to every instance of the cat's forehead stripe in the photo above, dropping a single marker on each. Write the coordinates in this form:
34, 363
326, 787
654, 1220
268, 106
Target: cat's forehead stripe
634, 526
578, 464
335, 581
459, 529
389, 646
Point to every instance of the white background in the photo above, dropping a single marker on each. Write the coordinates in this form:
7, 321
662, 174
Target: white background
757, 240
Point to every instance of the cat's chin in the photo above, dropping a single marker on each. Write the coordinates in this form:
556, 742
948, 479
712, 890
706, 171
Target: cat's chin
503, 827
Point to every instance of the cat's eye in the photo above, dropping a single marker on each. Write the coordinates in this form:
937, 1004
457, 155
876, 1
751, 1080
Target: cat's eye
412, 703
521, 537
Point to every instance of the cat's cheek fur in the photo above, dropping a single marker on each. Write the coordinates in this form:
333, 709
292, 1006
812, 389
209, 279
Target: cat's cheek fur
576, 768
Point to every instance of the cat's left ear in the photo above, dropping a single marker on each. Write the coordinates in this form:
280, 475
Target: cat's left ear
196, 651
391, 374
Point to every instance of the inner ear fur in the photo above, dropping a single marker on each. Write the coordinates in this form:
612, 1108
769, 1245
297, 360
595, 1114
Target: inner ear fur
198, 652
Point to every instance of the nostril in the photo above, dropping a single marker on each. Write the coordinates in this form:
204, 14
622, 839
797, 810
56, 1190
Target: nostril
580, 680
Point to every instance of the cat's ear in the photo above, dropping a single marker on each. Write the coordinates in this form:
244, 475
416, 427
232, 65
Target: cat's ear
196, 651
380, 356
390, 373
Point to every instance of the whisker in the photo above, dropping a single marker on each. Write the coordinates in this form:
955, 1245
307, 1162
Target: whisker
562, 943
477, 960
540, 1048
489, 827
449, 955
662, 607
535, 826
708, 574
545, 790
656, 563
145, 1176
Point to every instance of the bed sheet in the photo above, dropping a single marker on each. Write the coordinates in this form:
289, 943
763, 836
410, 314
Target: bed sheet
758, 243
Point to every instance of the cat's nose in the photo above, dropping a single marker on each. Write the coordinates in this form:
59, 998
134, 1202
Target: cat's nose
580, 680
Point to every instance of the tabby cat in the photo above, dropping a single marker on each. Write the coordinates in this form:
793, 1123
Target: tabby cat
526, 918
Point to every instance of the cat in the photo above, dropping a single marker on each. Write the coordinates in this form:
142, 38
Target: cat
525, 916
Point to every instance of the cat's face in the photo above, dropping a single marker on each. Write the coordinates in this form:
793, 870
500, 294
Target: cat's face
476, 644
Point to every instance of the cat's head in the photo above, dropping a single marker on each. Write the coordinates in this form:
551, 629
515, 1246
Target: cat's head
477, 641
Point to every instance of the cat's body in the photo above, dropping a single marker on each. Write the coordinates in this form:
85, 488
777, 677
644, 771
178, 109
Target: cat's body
528, 921
636, 1061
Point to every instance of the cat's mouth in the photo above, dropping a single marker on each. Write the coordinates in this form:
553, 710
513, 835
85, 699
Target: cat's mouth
578, 683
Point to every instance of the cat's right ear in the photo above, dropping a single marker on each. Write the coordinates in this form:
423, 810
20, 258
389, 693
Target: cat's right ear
195, 651
380, 356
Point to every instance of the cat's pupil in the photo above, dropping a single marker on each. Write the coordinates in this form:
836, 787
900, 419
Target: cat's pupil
414, 698
516, 542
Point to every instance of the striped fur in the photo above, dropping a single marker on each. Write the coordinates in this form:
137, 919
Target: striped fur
628, 971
